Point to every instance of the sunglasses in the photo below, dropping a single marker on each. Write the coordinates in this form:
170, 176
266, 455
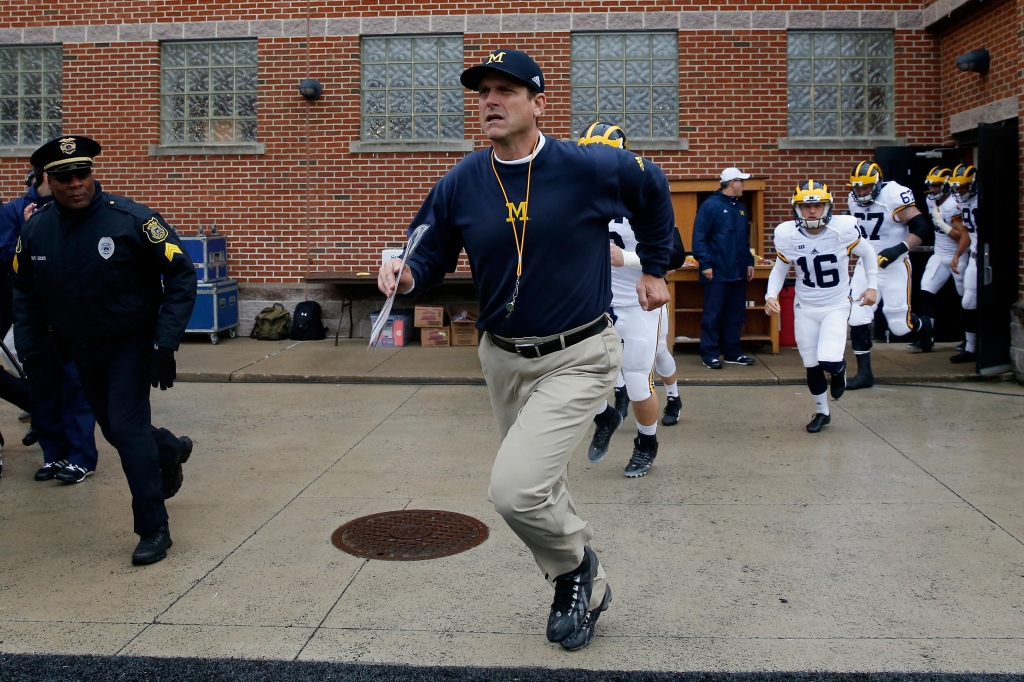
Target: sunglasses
64, 177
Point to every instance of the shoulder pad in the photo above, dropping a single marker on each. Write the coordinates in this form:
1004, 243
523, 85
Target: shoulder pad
846, 227
784, 234
891, 192
126, 205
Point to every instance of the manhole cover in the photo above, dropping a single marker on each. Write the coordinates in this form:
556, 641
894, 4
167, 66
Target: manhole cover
409, 535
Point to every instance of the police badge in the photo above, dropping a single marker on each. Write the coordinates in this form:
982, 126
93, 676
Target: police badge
68, 146
155, 232
106, 247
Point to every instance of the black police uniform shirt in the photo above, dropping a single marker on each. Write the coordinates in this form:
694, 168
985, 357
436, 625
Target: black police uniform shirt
566, 277
94, 275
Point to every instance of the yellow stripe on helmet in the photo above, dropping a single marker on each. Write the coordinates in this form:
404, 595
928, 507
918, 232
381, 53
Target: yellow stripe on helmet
812, 194
962, 175
866, 173
590, 138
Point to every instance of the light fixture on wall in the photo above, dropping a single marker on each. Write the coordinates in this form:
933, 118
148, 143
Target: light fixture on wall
311, 89
975, 60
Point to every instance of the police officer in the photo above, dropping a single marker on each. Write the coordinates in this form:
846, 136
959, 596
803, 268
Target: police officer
550, 354
89, 266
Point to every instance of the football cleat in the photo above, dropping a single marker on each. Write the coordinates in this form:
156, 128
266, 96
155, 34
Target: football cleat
605, 425
817, 422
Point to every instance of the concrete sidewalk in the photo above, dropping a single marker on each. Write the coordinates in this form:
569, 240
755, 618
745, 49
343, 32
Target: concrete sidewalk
892, 541
243, 359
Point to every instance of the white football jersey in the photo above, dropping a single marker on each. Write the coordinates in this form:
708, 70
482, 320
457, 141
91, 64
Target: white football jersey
822, 261
877, 222
968, 211
624, 278
944, 244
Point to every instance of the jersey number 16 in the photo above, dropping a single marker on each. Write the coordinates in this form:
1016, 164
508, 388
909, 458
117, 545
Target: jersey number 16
826, 279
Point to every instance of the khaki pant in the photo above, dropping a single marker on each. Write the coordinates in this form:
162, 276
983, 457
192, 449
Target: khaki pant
543, 407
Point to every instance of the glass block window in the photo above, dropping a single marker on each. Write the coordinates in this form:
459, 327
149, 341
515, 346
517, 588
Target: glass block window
30, 95
208, 92
411, 88
840, 84
628, 79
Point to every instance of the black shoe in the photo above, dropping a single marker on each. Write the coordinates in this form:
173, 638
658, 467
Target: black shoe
961, 347
30, 438
73, 473
605, 425
572, 597
926, 336
48, 471
622, 401
645, 449
585, 632
672, 408
153, 547
741, 360
173, 475
864, 378
963, 356
713, 364
819, 421
838, 384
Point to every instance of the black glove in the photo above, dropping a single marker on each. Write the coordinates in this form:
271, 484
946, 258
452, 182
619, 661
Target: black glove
887, 257
162, 370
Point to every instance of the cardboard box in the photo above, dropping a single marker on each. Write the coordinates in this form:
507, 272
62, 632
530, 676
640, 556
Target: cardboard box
463, 325
397, 330
435, 337
429, 316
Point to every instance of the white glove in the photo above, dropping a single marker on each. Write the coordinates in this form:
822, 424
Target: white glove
939, 223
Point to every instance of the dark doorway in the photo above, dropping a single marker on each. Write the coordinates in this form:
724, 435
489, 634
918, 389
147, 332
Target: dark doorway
998, 241
909, 166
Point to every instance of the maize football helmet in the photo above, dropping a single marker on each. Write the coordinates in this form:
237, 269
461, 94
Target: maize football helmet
938, 176
964, 176
812, 192
864, 174
604, 133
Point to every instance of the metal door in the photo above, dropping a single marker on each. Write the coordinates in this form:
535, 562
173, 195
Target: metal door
998, 241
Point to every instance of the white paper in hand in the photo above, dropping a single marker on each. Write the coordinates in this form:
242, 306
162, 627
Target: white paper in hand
385, 311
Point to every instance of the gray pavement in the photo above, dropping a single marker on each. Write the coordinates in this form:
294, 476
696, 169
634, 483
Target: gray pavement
245, 360
892, 541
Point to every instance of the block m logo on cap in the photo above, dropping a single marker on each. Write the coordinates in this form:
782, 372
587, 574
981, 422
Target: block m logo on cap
495, 57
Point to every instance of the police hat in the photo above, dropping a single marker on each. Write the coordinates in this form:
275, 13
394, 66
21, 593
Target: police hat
513, 63
65, 154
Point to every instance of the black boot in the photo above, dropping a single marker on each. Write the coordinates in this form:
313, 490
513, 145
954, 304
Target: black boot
173, 475
838, 383
621, 401
153, 547
864, 378
926, 335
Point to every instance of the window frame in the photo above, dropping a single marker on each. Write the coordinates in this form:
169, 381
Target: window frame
235, 146
363, 144
865, 140
637, 142
22, 149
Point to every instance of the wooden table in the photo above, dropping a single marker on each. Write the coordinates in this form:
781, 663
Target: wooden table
686, 307
363, 284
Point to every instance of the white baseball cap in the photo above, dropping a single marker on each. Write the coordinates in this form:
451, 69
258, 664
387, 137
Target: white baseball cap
734, 174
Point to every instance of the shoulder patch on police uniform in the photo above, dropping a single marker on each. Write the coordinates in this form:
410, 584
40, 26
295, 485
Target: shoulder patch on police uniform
170, 250
155, 232
640, 162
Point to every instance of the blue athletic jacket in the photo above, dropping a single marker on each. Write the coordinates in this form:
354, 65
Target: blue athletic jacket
721, 238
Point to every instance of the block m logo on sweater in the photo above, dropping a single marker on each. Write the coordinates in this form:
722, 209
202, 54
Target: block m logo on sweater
516, 212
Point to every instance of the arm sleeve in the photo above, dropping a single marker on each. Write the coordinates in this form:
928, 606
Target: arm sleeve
439, 249
10, 230
179, 297
920, 227
862, 249
748, 257
29, 311
777, 278
678, 256
644, 191
700, 238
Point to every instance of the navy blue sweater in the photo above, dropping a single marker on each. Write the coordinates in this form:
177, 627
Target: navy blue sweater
721, 238
575, 192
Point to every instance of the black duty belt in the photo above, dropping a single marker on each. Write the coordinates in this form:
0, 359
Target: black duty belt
540, 348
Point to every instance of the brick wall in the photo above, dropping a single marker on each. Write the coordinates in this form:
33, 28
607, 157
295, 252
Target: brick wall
732, 110
997, 28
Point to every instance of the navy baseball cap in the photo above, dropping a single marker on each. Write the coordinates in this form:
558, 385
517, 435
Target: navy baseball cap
513, 63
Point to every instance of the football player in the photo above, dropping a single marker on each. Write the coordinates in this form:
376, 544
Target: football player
890, 222
965, 192
941, 207
819, 244
640, 331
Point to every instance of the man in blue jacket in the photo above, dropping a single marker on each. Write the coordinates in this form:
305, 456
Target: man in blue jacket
721, 244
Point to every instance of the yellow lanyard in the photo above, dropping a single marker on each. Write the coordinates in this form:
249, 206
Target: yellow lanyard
519, 240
